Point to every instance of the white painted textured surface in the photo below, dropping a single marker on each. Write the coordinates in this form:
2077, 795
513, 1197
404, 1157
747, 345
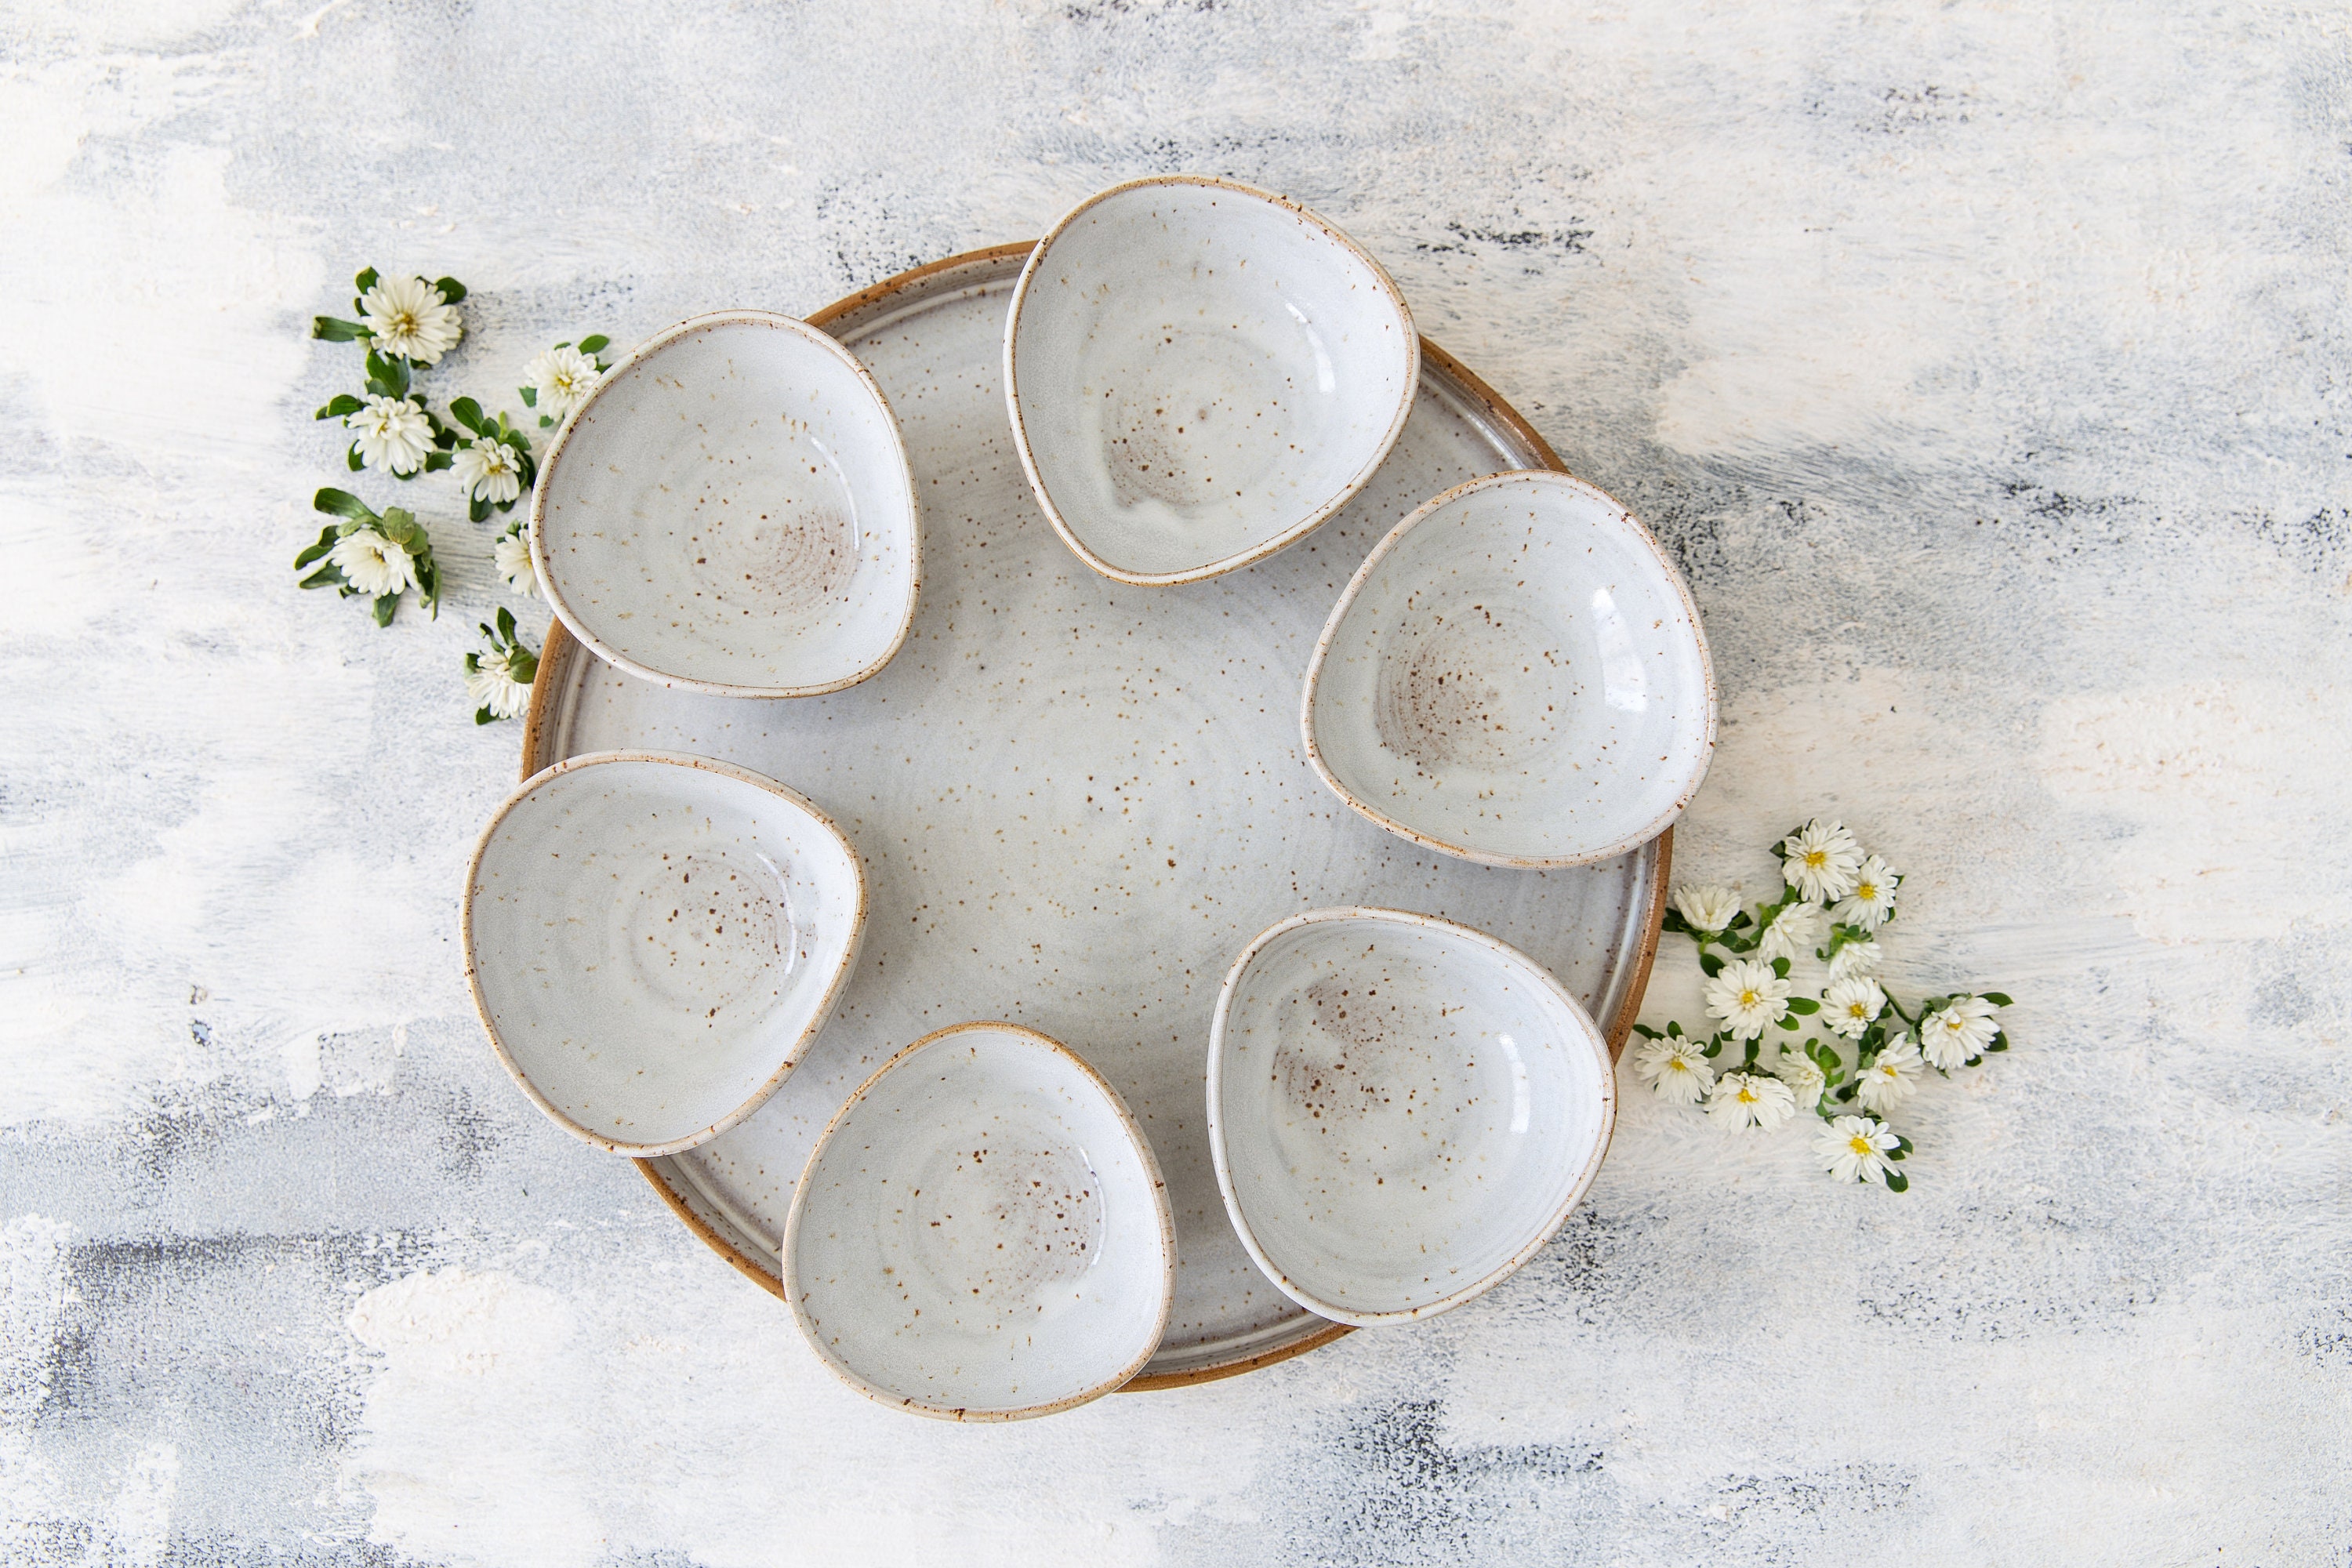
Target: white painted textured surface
1982, 365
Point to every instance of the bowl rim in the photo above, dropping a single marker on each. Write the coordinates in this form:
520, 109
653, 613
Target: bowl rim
793, 1053
1624, 843
559, 447
1589, 1033
1297, 531
789, 1251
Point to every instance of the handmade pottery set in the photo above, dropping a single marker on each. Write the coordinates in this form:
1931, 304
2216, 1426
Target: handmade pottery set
1399, 1110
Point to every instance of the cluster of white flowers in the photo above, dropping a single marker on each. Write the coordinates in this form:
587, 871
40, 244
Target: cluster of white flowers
1835, 899
404, 324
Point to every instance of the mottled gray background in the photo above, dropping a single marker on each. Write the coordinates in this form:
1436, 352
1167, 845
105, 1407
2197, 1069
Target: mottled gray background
1984, 364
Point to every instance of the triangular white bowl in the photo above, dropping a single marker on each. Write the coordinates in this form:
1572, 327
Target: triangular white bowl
653, 941
1516, 675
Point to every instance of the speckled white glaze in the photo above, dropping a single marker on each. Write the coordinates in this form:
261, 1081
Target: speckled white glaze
654, 941
1515, 675
1403, 1109
1096, 732
732, 511
981, 1234
1199, 373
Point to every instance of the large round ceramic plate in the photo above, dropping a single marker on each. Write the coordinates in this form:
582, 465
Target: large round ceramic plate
1077, 801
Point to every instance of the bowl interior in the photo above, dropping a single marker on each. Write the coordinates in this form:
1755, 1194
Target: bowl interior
1200, 372
654, 943
733, 509
1401, 1111
983, 1232
1517, 674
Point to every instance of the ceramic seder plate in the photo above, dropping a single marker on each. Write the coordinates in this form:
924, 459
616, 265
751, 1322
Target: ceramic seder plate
1077, 800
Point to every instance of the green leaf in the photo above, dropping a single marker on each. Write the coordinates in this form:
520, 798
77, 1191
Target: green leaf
334, 331
544, 422
506, 625
2000, 1041
1673, 1029
1711, 964
594, 344
524, 666
467, 412
451, 289
434, 462
387, 377
327, 537
385, 606
328, 576
1896, 1181
352, 460
342, 402
1903, 1146
1643, 1030
365, 280
343, 503
1674, 922
1780, 968
1787, 1023
529, 396
1997, 998
1803, 1005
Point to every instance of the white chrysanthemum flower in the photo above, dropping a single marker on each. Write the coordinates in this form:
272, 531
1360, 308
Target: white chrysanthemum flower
493, 684
562, 378
1803, 1077
1707, 909
1750, 1099
512, 554
1675, 1068
1819, 860
1849, 1005
1872, 902
1951, 1035
1854, 1149
1890, 1080
1797, 932
488, 469
1855, 958
407, 317
1746, 995
374, 564
391, 434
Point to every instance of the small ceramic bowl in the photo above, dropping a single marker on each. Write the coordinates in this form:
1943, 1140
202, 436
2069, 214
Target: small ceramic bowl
1516, 675
653, 941
730, 511
1199, 373
1402, 1111
981, 1234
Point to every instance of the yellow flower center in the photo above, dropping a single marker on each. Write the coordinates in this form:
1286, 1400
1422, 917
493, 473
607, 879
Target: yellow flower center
1748, 998
1952, 1025
1677, 1064
1860, 1144
1817, 858
1866, 891
1747, 1095
1854, 1010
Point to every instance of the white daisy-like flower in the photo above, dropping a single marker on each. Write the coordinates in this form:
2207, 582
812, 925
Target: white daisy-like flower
1890, 1080
1750, 1099
493, 684
1705, 909
1872, 902
562, 378
1951, 1035
1819, 860
1854, 1149
512, 554
407, 317
1675, 1068
1803, 1077
1797, 932
490, 469
1855, 958
1849, 1005
1746, 995
392, 432
374, 564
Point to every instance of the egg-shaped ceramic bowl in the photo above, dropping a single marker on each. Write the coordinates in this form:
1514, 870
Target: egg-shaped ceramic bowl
981, 1234
730, 511
1402, 1111
654, 942
1516, 675
1199, 373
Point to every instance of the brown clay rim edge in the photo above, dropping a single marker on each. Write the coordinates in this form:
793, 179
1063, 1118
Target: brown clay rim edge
559, 648
1161, 1209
